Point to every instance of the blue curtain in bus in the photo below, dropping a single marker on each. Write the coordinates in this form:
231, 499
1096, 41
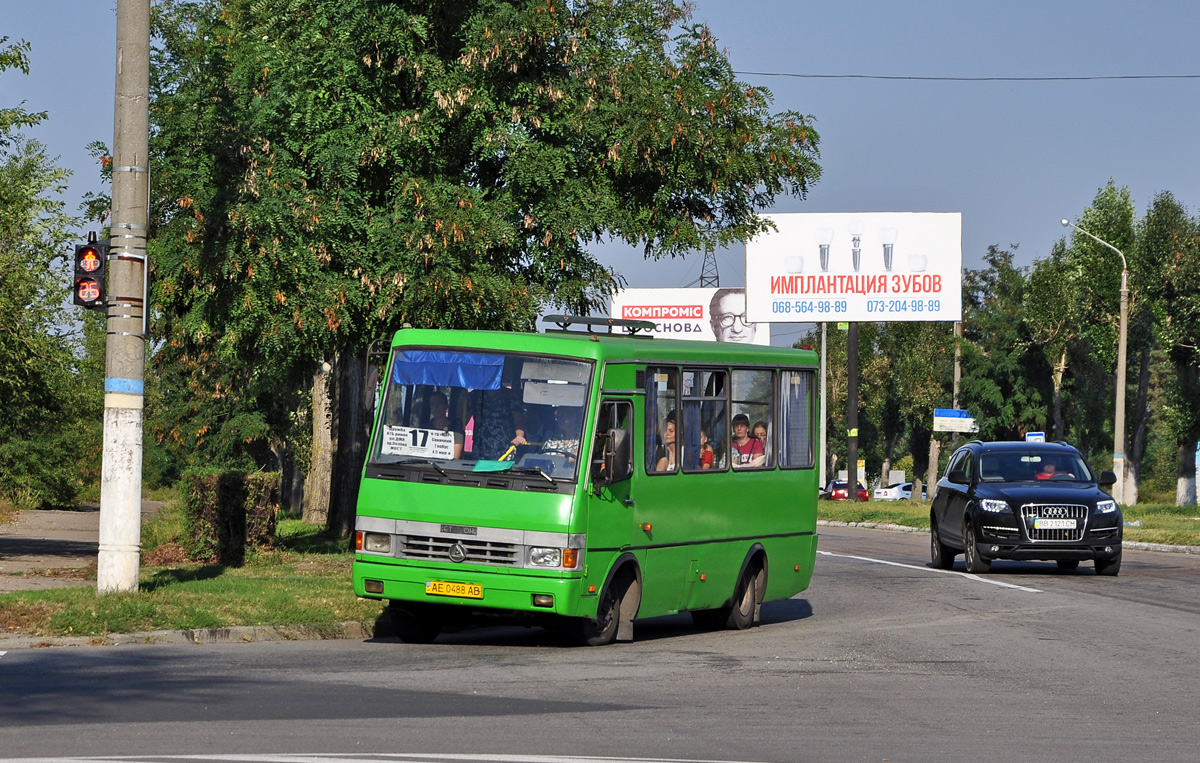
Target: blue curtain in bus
652, 437
691, 434
469, 370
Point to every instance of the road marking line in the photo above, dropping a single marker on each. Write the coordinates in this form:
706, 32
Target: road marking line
933, 569
414, 757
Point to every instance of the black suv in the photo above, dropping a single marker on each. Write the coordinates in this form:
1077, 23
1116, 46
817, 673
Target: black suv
1024, 500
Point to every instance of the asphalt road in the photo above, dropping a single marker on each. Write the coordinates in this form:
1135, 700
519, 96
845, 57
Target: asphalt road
883, 659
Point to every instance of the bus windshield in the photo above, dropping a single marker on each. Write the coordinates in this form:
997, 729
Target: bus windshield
483, 411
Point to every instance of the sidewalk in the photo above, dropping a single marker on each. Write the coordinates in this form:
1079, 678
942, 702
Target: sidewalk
53, 549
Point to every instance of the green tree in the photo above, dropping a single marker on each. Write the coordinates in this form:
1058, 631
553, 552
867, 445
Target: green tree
37, 382
1004, 373
1096, 280
1051, 311
1169, 245
329, 171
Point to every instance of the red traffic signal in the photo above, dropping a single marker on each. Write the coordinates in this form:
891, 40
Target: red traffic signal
89, 275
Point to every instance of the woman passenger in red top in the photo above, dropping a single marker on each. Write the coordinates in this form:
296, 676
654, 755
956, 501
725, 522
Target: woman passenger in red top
746, 450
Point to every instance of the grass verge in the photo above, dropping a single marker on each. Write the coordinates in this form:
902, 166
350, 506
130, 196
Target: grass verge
304, 580
1159, 522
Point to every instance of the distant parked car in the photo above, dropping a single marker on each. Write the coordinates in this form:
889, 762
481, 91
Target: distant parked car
837, 490
899, 491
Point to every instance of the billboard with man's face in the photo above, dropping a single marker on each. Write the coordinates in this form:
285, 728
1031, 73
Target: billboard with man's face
709, 314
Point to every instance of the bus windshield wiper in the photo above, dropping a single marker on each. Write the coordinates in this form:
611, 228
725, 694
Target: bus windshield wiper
423, 461
532, 470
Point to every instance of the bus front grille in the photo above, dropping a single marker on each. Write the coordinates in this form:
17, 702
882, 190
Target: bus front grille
474, 551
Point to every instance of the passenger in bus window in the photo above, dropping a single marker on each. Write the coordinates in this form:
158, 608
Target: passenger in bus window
441, 420
760, 432
666, 463
502, 424
564, 434
707, 455
746, 450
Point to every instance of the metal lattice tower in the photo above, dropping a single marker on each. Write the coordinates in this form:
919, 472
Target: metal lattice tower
708, 271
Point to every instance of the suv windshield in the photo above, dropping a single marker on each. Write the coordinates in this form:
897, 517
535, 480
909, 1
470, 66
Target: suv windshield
1033, 465
483, 411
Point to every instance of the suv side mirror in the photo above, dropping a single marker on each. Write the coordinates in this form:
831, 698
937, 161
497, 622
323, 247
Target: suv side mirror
1107, 477
958, 477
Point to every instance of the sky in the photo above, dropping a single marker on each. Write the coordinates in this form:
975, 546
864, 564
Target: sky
1014, 157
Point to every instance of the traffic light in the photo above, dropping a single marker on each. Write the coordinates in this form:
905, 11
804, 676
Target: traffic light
89, 274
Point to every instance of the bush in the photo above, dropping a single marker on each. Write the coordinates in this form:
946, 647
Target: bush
227, 511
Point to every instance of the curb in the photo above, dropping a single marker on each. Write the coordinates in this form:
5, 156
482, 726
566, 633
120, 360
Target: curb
238, 634
1133, 545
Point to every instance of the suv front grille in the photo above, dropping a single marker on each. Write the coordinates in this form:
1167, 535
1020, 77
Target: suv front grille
1034, 511
477, 551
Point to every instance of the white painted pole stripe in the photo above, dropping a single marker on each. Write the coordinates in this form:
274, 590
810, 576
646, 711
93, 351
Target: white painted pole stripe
932, 569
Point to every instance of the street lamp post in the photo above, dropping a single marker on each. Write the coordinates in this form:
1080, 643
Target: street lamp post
1119, 423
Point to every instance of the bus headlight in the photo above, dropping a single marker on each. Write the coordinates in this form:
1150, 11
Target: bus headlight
377, 543
545, 557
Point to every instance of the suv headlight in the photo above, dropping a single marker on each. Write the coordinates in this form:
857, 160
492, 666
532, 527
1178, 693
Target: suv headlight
994, 506
1106, 507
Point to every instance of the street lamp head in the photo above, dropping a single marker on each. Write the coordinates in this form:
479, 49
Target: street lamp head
1066, 223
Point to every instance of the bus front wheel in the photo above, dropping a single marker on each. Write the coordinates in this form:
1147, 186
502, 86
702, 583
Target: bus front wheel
413, 623
603, 629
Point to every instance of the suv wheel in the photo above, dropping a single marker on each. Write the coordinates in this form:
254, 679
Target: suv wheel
975, 563
941, 554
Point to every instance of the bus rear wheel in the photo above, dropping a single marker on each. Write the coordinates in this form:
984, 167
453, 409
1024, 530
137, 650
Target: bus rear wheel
413, 623
745, 597
737, 616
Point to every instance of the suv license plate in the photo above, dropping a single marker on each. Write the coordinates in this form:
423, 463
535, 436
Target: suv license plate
460, 590
1054, 524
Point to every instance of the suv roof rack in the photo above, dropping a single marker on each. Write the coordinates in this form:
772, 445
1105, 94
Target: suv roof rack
632, 327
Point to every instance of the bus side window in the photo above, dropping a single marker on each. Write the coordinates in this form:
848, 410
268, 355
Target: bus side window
661, 401
704, 437
796, 416
753, 397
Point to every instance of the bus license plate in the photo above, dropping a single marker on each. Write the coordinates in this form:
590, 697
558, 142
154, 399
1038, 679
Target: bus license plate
460, 590
1054, 524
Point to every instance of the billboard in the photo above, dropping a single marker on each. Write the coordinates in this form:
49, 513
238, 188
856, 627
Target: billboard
856, 266
709, 314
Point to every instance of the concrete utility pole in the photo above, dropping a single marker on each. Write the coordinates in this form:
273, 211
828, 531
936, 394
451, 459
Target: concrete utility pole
124, 384
821, 429
1119, 414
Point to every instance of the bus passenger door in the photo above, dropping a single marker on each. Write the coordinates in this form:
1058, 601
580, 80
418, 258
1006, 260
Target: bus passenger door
611, 502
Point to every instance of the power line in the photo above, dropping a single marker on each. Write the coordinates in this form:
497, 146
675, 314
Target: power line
969, 79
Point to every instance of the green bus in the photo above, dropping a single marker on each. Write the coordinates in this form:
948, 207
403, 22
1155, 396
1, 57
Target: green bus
586, 478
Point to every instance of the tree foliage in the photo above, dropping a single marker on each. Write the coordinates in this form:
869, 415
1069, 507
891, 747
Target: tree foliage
329, 171
37, 368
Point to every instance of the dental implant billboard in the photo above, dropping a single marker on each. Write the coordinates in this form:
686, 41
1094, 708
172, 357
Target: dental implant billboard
856, 266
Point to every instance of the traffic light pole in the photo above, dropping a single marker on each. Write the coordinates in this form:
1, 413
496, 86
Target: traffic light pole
121, 475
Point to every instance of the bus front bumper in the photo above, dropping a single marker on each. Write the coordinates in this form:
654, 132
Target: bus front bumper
473, 587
